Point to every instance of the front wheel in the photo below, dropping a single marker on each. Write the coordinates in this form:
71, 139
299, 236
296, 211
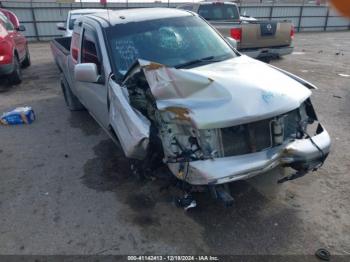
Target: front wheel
26, 62
15, 77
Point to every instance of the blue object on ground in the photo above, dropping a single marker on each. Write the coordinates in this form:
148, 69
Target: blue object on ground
20, 115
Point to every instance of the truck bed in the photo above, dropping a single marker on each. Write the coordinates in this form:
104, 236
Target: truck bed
60, 48
258, 34
63, 43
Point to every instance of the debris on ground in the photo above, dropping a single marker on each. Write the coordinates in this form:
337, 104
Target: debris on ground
20, 115
323, 254
187, 202
344, 75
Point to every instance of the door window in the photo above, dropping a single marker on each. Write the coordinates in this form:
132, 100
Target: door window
218, 11
89, 49
7, 24
2, 21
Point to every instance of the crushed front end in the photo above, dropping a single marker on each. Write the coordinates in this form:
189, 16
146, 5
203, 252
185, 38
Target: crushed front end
217, 156
208, 136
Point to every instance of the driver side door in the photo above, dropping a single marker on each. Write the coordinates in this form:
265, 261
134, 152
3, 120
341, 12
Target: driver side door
93, 95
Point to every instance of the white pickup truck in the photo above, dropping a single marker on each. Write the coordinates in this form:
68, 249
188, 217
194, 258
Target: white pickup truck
73, 15
166, 86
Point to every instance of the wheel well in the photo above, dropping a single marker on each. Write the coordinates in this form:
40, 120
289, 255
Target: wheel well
16, 53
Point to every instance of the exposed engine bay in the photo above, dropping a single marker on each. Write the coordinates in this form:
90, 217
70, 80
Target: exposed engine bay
167, 121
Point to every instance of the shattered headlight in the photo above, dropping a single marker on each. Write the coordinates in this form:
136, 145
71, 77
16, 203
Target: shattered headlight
180, 142
179, 138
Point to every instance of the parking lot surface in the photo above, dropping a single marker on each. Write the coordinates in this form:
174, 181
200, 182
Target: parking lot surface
65, 188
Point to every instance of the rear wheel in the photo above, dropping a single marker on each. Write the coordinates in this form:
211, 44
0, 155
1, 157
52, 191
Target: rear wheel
15, 77
26, 62
266, 60
71, 100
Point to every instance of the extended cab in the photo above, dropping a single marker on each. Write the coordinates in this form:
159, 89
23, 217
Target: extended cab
172, 91
255, 38
14, 52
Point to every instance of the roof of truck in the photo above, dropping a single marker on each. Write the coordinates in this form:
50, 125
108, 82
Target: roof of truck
213, 3
137, 15
86, 11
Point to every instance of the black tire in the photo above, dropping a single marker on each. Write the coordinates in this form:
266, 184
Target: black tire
71, 100
266, 60
15, 77
26, 62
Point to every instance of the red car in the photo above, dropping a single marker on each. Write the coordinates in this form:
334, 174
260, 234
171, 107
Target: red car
14, 52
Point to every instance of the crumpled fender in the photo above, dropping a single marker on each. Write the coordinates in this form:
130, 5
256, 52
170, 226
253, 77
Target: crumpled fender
130, 126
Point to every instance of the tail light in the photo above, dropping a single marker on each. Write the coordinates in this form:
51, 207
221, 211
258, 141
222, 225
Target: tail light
6, 52
236, 33
292, 32
75, 46
75, 53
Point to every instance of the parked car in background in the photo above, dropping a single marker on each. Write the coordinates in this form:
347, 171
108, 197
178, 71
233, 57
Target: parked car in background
255, 38
173, 91
14, 52
67, 27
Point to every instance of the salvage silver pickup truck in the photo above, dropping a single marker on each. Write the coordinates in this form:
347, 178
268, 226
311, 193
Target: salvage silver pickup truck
170, 89
262, 39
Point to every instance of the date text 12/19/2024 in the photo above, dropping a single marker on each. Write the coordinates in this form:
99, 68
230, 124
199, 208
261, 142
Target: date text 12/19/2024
173, 258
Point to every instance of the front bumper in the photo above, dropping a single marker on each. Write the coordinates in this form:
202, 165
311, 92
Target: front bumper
301, 153
6, 69
271, 52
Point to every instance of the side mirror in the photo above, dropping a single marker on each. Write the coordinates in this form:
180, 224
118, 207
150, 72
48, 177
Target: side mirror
61, 26
86, 72
21, 28
232, 42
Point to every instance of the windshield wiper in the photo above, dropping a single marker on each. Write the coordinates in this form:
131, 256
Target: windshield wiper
196, 61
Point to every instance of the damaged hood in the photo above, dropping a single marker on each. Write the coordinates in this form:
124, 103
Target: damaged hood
228, 93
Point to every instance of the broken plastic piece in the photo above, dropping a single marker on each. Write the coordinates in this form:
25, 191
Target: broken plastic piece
323, 254
20, 115
192, 205
187, 202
